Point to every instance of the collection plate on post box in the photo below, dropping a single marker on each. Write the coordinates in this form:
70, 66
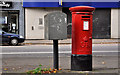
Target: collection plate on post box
86, 25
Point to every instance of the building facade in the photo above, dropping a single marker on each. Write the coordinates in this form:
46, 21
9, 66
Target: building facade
34, 21
12, 17
105, 18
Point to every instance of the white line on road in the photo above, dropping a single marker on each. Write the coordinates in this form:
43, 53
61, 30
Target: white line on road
9, 53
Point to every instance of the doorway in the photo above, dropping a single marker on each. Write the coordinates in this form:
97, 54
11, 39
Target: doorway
10, 21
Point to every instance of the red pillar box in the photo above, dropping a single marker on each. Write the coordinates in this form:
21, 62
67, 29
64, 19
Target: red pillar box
81, 58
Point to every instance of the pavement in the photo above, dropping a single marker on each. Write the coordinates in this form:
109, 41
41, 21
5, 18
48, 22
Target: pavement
101, 64
69, 41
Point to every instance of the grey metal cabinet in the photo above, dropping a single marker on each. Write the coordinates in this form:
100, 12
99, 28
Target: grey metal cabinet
55, 26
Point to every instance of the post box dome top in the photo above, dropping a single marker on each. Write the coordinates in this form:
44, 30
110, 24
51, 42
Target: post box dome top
82, 9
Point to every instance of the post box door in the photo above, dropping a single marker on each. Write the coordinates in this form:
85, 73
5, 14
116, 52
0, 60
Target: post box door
85, 40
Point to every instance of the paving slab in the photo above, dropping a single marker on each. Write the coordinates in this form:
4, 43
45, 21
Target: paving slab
101, 64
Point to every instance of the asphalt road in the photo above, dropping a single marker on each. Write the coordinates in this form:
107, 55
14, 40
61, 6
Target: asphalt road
47, 50
18, 59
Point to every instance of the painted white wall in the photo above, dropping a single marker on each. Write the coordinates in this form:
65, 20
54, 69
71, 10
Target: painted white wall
119, 23
115, 23
32, 16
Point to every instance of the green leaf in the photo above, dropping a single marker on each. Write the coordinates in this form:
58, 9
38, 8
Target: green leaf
40, 65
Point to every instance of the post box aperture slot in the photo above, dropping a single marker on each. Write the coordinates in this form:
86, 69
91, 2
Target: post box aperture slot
85, 16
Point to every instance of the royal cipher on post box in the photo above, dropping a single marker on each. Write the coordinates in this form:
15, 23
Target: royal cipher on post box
55, 26
81, 58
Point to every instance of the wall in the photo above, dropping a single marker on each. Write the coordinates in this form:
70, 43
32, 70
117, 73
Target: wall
115, 23
18, 6
119, 22
33, 28
102, 23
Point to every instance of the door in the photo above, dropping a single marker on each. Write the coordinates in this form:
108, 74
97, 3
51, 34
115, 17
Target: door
3, 37
0, 36
13, 22
9, 21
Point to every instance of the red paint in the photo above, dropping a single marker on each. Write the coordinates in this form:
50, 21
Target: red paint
82, 39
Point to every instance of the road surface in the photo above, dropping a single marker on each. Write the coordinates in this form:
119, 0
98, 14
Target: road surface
47, 50
21, 58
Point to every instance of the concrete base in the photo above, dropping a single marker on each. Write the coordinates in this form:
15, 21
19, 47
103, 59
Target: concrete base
81, 62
